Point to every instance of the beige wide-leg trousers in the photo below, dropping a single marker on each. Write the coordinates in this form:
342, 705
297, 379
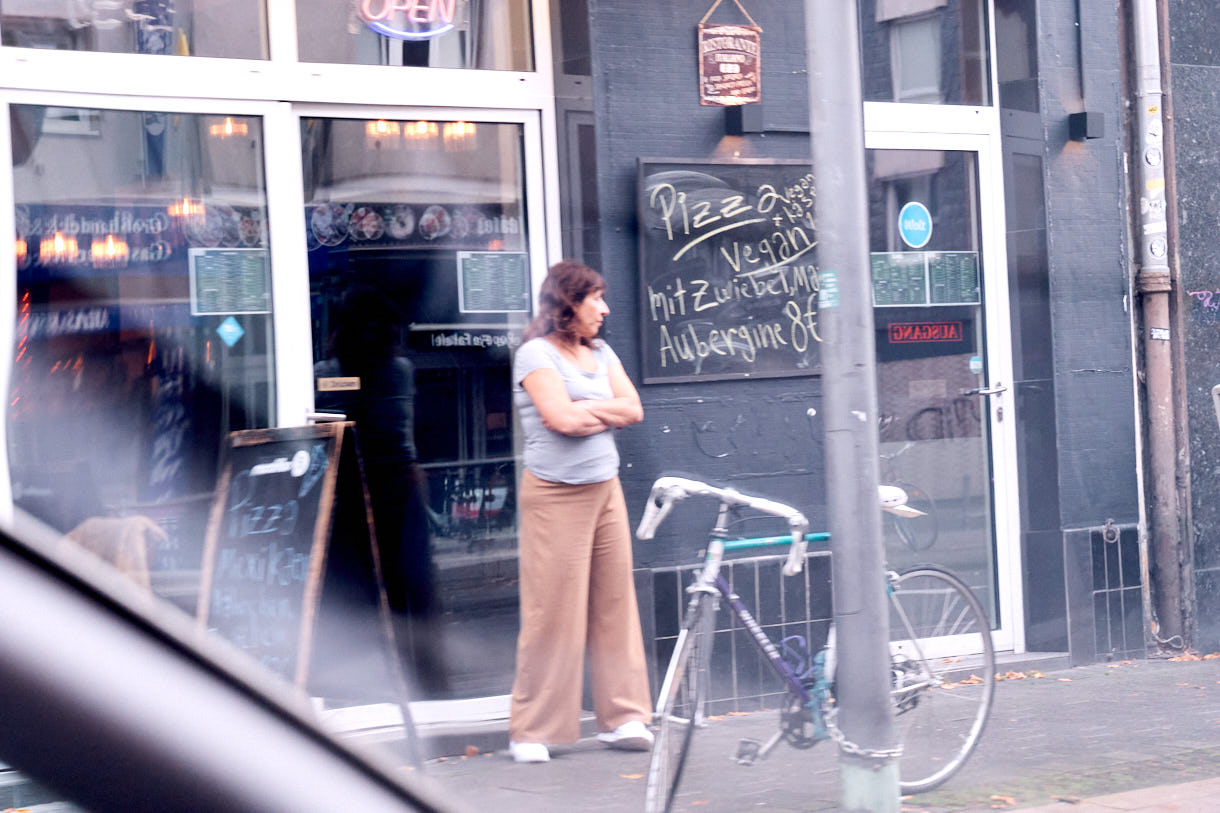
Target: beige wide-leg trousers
576, 593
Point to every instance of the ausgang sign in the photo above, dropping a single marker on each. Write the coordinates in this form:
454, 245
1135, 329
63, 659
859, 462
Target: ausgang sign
912, 332
408, 19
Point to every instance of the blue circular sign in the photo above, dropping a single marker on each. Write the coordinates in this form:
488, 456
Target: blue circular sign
915, 224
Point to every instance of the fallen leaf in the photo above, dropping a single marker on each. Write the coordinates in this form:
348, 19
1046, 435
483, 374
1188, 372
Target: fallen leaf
973, 679
1036, 674
441, 759
1004, 800
1211, 656
714, 717
1069, 680
472, 750
1181, 684
739, 714
631, 775
700, 802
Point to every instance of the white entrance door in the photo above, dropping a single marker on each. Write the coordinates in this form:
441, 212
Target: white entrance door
943, 358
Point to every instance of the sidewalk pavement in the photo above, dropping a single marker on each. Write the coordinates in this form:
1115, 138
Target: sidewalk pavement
1132, 736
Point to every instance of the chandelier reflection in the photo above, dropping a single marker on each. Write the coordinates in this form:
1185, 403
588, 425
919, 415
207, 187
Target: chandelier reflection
57, 249
110, 251
382, 134
459, 136
419, 134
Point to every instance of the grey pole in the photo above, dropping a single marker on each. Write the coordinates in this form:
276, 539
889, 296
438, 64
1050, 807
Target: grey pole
868, 770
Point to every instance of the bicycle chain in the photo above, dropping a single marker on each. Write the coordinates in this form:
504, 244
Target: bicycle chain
849, 747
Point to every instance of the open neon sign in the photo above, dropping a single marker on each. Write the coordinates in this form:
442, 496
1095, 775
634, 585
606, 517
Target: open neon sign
408, 19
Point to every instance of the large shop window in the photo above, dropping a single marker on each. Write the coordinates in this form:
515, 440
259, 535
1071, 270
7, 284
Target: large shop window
481, 34
144, 325
420, 285
214, 28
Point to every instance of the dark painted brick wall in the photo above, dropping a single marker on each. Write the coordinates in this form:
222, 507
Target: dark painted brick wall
647, 105
1194, 27
1089, 266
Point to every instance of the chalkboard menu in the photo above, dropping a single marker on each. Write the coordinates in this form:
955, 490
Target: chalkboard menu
290, 569
904, 278
728, 277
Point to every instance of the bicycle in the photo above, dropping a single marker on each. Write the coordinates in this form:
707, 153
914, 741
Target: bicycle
931, 610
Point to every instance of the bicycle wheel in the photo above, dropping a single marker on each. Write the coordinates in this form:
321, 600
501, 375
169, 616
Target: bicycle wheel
940, 703
918, 533
680, 704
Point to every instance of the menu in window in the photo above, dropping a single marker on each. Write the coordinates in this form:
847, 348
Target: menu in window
918, 278
230, 280
493, 282
899, 278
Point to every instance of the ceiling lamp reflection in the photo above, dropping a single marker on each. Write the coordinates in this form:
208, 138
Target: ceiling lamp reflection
23, 251
228, 128
381, 134
419, 134
110, 251
59, 248
459, 136
185, 208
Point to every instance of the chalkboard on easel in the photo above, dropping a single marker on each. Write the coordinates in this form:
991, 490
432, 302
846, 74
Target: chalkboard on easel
728, 277
291, 572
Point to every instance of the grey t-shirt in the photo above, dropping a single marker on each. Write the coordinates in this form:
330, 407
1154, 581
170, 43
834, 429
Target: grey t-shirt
552, 456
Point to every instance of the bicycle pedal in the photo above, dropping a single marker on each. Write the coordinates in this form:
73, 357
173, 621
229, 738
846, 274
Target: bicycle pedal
747, 751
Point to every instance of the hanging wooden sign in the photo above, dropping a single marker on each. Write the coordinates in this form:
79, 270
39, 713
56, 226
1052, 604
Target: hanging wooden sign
729, 61
729, 72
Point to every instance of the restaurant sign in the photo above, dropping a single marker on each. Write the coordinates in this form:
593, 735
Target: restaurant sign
729, 59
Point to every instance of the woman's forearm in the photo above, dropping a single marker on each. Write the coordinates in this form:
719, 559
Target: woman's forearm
577, 421
615, 411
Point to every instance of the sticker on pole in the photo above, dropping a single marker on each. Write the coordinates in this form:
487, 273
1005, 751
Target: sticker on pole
915, 224
828, 290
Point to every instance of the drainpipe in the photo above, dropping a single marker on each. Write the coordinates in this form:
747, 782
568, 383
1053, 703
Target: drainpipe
1153, 285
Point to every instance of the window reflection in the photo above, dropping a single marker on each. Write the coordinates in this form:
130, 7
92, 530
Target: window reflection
143, 331
213, 28
925, 51
418, 267
481, 34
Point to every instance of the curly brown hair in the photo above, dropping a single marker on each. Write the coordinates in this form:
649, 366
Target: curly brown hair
566, 285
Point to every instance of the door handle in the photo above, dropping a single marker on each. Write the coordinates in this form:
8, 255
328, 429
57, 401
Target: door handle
994, 389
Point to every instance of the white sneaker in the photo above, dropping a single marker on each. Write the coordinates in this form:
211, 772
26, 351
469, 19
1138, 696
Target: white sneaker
529, 752
632, 736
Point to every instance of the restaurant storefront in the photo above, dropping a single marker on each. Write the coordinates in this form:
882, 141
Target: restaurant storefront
198, 185
195, 188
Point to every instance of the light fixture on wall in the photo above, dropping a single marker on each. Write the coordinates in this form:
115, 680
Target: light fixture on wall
459, 136
419, 134
23, 251
57, 249
110, 251
1086, 125
382, 134
228, 128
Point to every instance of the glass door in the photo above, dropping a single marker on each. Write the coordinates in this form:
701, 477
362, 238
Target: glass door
943, 366
422, 257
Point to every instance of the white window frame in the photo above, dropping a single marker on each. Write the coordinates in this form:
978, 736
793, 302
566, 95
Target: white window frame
298, 388
279, 90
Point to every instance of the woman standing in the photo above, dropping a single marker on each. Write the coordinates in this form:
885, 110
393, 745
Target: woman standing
576, 586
